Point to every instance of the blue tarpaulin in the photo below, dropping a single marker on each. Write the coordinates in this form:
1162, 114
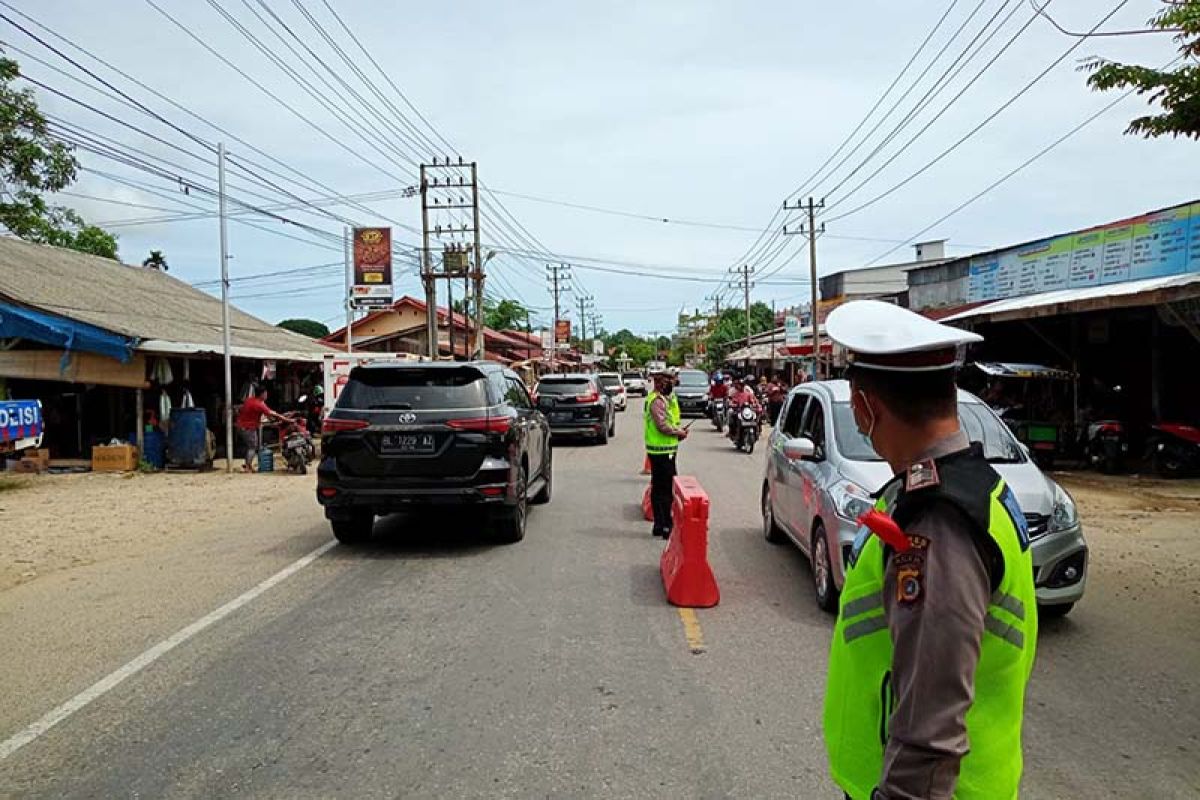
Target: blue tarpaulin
39, 326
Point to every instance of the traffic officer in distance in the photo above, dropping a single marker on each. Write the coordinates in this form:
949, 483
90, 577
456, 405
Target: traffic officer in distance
662, 435
937, 626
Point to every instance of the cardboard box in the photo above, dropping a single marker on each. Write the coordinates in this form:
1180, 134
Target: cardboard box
41, 456
28, 466
114, 458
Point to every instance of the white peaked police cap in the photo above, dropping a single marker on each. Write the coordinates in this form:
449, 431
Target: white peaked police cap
884, 336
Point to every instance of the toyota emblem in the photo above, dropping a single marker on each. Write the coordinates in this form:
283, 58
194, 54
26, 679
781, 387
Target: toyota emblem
408, 419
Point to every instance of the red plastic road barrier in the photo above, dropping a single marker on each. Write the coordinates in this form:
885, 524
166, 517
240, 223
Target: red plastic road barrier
647, 508
646, 466
687, 576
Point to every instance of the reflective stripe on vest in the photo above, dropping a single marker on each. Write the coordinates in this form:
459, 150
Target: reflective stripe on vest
657, 442
858, 696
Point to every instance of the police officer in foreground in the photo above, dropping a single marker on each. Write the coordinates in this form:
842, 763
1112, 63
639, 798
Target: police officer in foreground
662, 434
936, 631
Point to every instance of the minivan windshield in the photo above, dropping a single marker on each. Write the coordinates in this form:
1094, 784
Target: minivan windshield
693, 378
630, 376
414, 389
980, 425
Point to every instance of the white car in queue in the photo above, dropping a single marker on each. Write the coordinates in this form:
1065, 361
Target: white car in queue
821, 472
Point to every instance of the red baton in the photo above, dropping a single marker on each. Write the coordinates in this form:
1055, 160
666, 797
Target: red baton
886, 529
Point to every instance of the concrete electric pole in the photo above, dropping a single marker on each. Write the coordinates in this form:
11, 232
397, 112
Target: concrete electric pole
811, 230
745, 284
557, 275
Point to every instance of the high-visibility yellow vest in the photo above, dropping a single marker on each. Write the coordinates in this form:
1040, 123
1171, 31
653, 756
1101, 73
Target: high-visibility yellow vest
859, 695
657, 442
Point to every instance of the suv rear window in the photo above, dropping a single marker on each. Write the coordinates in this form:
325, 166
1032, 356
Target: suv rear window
609, 381
414, 388
565, 386
631, 376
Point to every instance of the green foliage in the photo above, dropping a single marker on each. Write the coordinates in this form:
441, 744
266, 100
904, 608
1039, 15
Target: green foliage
1176, 91
156, 261
305, 327
730, 330
507, 315
32, 162
639, 349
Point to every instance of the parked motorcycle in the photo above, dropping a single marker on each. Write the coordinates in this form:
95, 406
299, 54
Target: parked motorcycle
749, 428
1106, 445
296, 443
1175, 449
719, 413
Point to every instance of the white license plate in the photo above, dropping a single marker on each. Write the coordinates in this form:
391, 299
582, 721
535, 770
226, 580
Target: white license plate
407, 443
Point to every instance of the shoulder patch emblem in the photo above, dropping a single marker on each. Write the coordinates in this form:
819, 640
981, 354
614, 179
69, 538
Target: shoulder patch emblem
922, 475
908, 586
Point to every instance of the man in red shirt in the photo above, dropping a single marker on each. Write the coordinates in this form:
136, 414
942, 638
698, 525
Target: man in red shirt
249, 419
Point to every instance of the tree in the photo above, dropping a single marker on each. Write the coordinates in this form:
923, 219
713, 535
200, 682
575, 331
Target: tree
506, 315
33, 162
730, 330
305, 327
1176, 91
156, 261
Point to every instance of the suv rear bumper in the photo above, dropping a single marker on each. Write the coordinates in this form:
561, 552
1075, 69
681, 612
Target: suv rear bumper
342, 497
592, 427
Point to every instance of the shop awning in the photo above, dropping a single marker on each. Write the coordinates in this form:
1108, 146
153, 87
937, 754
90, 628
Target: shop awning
17, 322
997, 369
163, 347
1148, 291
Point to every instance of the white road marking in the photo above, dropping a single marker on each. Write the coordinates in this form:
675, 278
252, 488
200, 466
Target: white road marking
23, 737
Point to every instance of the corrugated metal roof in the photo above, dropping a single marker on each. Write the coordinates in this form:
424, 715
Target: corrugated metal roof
134, 301
1068, 300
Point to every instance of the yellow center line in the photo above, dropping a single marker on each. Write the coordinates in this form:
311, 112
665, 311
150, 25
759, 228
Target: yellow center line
691, 629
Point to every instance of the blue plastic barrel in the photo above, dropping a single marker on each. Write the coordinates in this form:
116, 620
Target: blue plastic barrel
154, 447
266, 460
187, 440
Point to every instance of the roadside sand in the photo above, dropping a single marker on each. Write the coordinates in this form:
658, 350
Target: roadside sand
56, 522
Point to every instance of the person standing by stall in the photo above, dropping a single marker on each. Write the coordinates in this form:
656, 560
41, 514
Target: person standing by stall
662, 436
249, 424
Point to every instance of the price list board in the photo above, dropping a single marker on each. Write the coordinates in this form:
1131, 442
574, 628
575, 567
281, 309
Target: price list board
1159, 244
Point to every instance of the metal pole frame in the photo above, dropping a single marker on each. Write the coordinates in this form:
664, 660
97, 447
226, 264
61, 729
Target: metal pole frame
226, 336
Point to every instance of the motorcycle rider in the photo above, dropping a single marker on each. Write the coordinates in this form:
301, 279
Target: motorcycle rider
742, 395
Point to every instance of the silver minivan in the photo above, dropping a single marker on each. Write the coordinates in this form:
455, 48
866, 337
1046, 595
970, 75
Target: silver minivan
815, 499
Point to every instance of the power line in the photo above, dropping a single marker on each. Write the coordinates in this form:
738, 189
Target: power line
981, 125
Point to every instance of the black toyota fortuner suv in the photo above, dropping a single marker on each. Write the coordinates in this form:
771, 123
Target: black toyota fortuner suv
428, 433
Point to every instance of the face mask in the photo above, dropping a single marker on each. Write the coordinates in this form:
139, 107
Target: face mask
666, 390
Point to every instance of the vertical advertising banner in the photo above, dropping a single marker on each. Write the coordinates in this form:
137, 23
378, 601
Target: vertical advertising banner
791, 331
562, 333
372, 259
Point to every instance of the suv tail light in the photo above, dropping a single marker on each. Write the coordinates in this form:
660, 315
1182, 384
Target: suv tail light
589, 397
332, 425
480, 424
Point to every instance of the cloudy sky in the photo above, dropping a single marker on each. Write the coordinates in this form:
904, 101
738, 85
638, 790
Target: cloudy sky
693, 112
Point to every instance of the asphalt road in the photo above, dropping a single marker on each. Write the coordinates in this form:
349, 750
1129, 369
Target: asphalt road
434, 664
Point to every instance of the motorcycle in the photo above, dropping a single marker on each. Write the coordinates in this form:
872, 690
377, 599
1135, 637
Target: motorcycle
296, 443
1106, 445
1175, 449
749, 428
719, 412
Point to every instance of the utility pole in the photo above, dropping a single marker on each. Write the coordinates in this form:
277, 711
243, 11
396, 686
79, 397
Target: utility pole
479, 275
225, 332
744, 272
427, 276
586, 305
449, 189
346, 234
811, 230
557, 275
